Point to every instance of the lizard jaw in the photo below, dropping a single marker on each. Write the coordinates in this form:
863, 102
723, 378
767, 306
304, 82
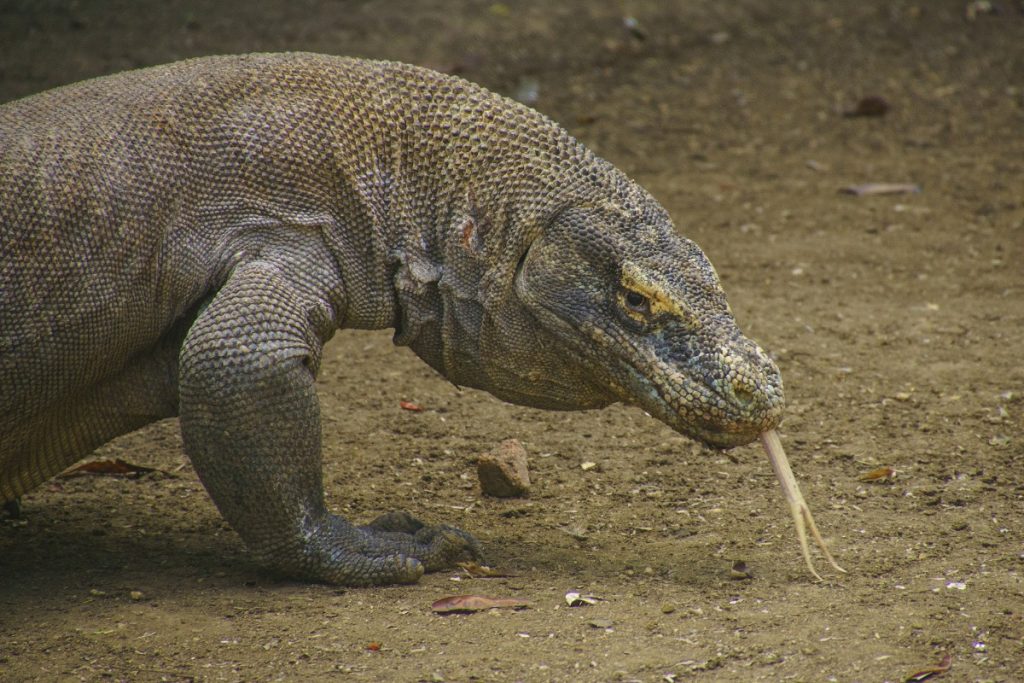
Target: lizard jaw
727, 400
723, 403
697, 410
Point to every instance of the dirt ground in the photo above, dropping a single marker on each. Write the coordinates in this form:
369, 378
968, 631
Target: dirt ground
897, 321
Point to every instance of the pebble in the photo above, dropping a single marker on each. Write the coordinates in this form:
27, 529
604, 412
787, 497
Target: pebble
504, 472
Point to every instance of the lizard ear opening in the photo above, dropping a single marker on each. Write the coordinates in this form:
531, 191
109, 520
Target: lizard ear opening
518, 278
522, 260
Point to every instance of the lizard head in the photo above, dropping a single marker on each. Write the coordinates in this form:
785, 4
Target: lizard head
635, 311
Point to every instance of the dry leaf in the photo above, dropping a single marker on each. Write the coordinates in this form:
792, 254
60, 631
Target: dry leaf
868, 189
116, 467
880, 474
409, 405
924, 674
475, 603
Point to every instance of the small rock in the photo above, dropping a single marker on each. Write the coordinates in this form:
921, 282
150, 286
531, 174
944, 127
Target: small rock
527, 90
504, 472
577, 599
739, 571
635, 29
870, 106
135, 595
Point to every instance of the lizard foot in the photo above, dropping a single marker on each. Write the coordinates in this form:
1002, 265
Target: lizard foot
394, 548
437, 547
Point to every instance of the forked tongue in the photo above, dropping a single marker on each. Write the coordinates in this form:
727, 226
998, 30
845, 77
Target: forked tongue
797, 506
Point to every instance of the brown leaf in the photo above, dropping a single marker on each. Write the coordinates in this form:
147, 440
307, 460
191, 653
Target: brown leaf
868, 189
475, 603
880, 474
116, 467
409, 405
944, 665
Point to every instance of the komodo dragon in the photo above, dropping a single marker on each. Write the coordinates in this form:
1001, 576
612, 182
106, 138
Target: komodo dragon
182, 240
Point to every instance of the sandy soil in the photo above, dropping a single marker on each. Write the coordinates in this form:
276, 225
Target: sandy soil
897, 322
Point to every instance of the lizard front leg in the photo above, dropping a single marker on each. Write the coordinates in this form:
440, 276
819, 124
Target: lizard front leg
250, 419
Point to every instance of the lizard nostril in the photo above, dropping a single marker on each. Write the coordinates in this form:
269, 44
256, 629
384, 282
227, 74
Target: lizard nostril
743, 394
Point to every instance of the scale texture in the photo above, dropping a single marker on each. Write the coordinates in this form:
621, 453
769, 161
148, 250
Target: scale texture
182, 240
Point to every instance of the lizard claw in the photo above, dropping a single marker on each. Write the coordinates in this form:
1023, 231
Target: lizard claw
448, 543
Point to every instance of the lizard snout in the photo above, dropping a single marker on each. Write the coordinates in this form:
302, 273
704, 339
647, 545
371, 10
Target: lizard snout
751, 390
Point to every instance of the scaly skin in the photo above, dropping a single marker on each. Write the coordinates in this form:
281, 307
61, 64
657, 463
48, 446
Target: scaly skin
182, 240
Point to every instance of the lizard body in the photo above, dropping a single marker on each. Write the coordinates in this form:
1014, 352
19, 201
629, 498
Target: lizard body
181, 241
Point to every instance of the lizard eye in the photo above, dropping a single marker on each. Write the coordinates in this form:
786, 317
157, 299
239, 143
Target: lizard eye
637, 302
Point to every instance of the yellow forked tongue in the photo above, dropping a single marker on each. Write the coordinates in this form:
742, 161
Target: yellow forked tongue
797, 506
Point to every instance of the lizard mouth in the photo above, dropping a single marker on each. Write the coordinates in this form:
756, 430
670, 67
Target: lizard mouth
721, 413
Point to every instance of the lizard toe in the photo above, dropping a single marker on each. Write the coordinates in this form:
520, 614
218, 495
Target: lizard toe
446, 544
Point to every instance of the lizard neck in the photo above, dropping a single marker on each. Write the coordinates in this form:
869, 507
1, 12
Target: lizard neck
450, 282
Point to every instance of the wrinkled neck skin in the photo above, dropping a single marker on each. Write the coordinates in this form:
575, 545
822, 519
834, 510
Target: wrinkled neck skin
460, 313
589, 305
